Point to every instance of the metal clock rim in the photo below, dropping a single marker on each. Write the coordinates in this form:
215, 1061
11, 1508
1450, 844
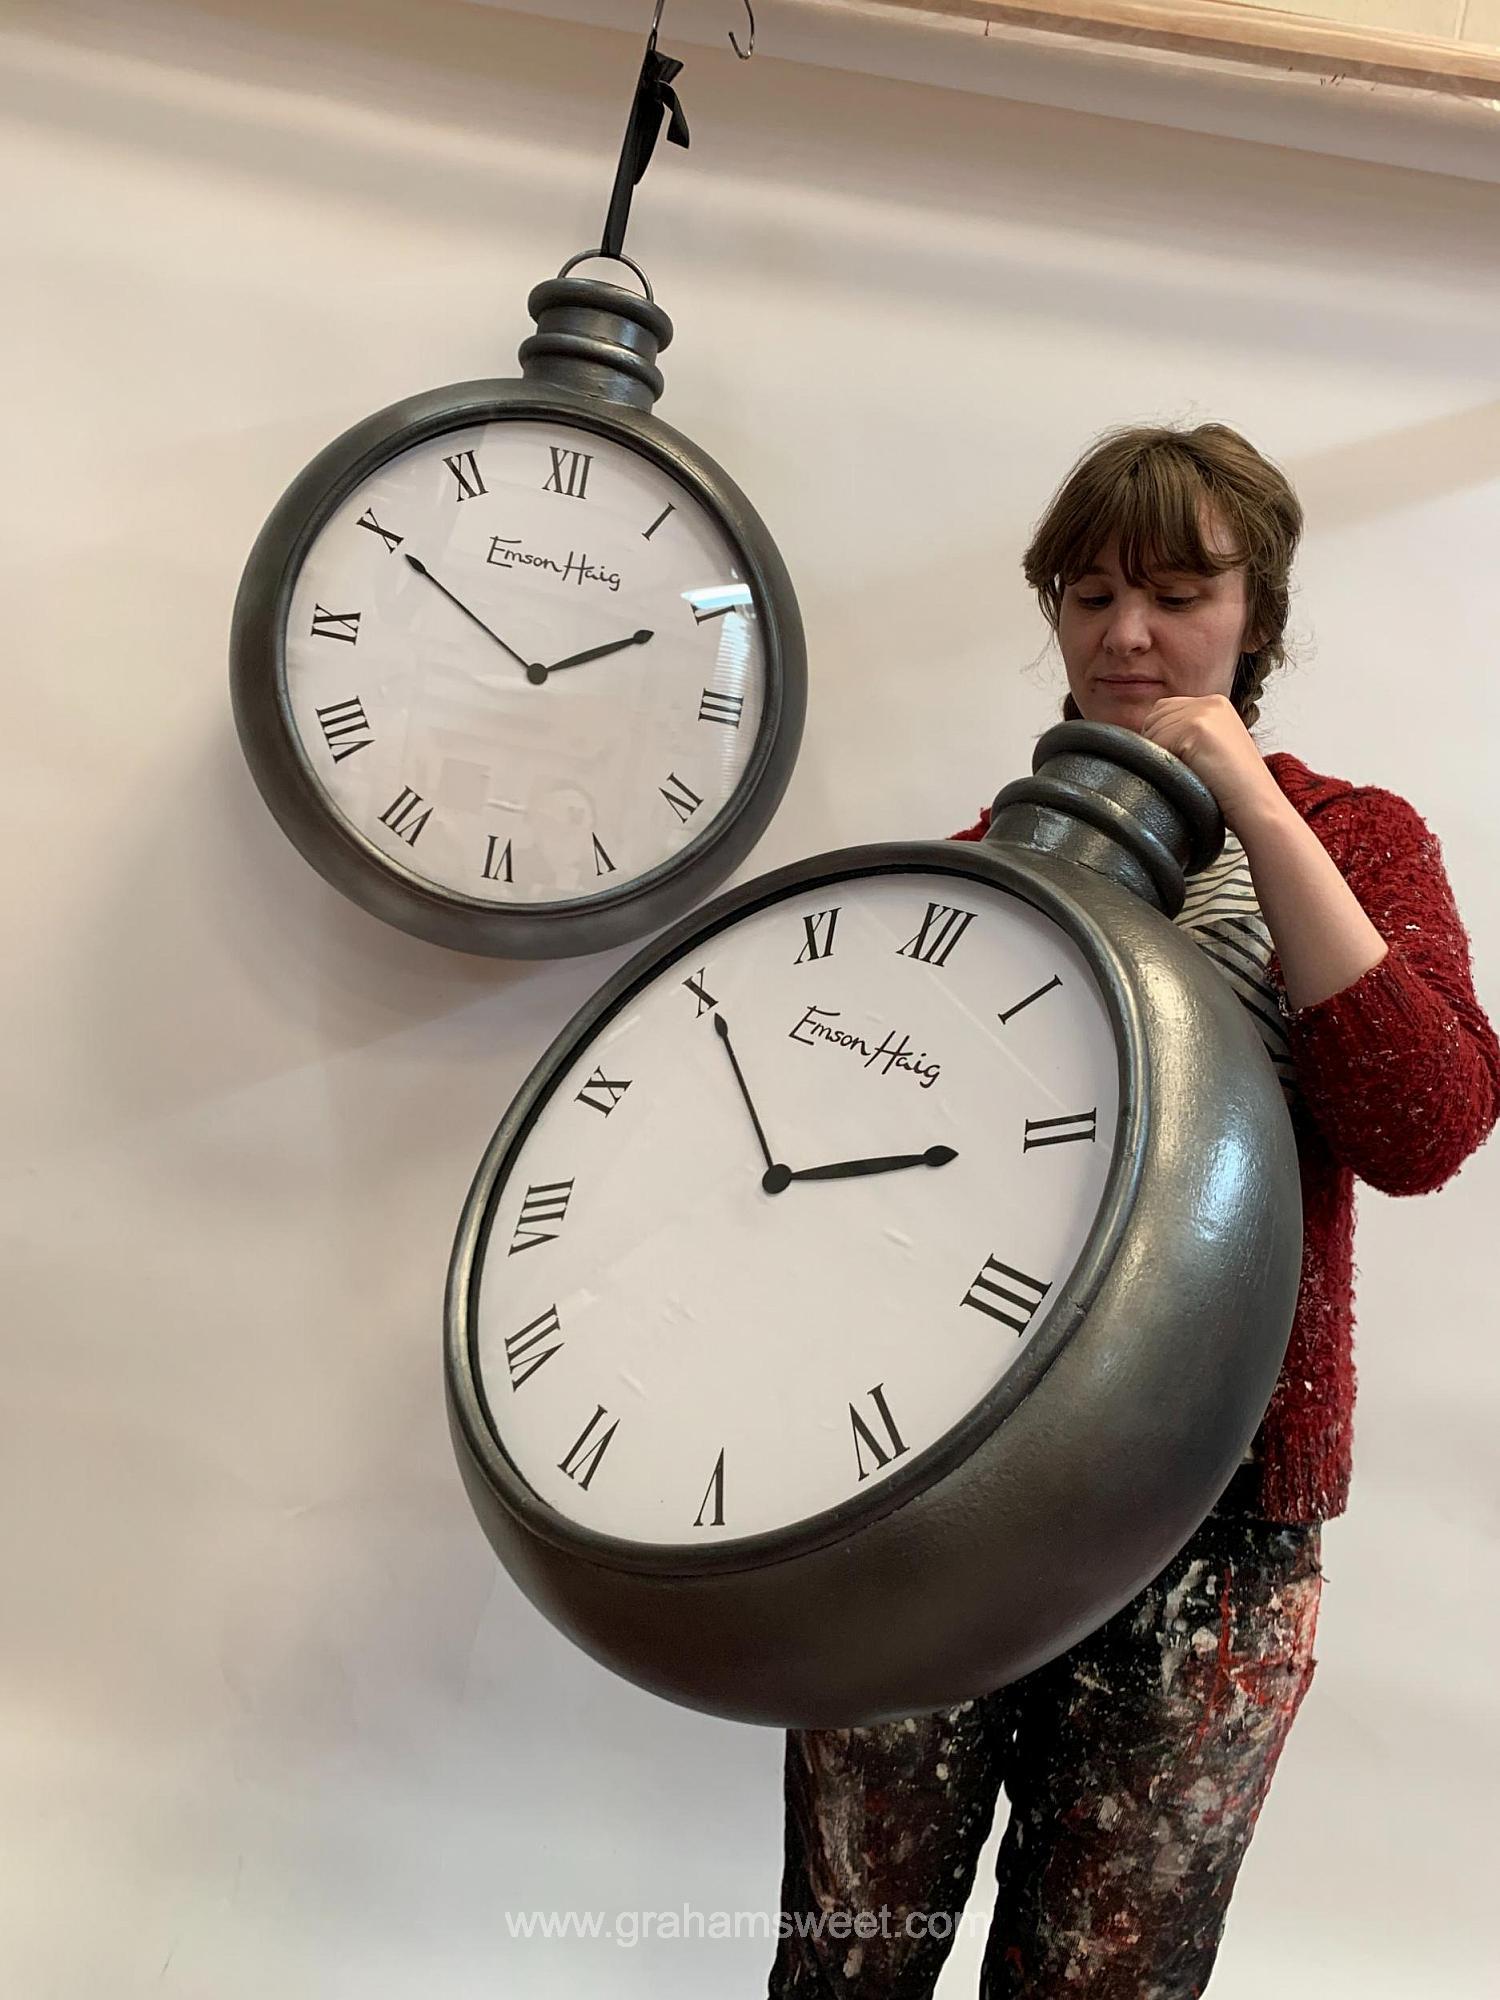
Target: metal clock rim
279, 759
1006, 870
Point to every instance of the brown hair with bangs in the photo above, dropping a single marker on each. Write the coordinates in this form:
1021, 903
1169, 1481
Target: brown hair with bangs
1147, 483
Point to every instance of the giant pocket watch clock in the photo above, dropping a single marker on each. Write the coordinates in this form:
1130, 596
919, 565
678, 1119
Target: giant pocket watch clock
515, 665
877, 1282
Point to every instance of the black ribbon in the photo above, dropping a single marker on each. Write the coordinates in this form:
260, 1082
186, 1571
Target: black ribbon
654, 99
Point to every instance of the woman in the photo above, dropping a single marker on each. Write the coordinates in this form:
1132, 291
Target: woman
1136, 1764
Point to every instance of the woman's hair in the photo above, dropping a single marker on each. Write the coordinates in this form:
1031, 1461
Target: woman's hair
1146, 483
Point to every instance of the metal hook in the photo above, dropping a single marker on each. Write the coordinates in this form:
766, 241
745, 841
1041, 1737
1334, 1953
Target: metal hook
743, 54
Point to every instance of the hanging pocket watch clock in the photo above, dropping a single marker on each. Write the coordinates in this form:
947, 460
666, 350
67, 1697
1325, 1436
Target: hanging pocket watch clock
516, 666
872, 1288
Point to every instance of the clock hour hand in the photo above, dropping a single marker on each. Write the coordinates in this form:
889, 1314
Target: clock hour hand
600, 652
534, 670
775, 1177
848, 1170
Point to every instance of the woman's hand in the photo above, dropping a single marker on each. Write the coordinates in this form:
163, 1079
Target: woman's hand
1323, 936
1206, 732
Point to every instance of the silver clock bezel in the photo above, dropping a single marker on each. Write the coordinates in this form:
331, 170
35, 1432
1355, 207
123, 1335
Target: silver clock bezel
380, 883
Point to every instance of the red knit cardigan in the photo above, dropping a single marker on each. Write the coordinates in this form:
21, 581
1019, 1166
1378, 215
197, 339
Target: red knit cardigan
1399, 1078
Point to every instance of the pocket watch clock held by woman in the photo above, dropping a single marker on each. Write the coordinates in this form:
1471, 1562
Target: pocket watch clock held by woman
909, 1215
516, 666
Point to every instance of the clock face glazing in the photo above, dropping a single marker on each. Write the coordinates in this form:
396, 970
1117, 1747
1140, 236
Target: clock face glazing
433, 667
685, 1328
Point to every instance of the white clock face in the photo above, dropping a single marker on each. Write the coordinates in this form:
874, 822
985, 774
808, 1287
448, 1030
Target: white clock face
686, 1330
433, 665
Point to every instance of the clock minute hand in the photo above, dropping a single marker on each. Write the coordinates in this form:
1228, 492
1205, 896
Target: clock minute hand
775, 1177
848, 1170
600, 652
533, 671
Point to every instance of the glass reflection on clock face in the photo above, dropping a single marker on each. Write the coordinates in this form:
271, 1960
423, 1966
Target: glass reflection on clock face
795, 1208
525, 663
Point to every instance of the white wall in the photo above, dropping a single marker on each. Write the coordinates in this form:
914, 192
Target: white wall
273, 1720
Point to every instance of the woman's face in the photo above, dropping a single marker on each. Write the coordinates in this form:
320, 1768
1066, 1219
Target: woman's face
1125, 648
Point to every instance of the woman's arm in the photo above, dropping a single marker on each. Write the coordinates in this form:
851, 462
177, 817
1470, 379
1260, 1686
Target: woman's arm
1322, 935
1394, 1055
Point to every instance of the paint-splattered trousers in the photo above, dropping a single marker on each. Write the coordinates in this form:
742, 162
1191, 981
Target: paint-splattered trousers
1135, 1764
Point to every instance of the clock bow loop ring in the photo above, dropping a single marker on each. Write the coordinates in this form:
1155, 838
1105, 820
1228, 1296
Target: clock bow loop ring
614, 257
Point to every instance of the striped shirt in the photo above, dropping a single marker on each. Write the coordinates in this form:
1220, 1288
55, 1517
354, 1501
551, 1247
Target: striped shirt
1224, 917
1221, 912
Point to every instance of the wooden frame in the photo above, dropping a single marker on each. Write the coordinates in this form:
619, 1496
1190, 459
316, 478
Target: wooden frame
1230, 32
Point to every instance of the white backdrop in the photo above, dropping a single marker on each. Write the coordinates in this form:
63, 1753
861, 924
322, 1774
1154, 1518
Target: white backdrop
274, 1721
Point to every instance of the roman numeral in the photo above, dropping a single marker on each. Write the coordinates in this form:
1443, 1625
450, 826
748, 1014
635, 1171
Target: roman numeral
497, 863
882, 1453
1053, 981
1058, 1131
706, 1000
521, 1354
819, 930
1011, 1288
670, 508
546, 1202
600, 1082
941, 930
400, 815
570, 472
465, 469
684, 801
341, 720
602, 863
335, 624
721, 708
716, 1494
585, 1454
368, 520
